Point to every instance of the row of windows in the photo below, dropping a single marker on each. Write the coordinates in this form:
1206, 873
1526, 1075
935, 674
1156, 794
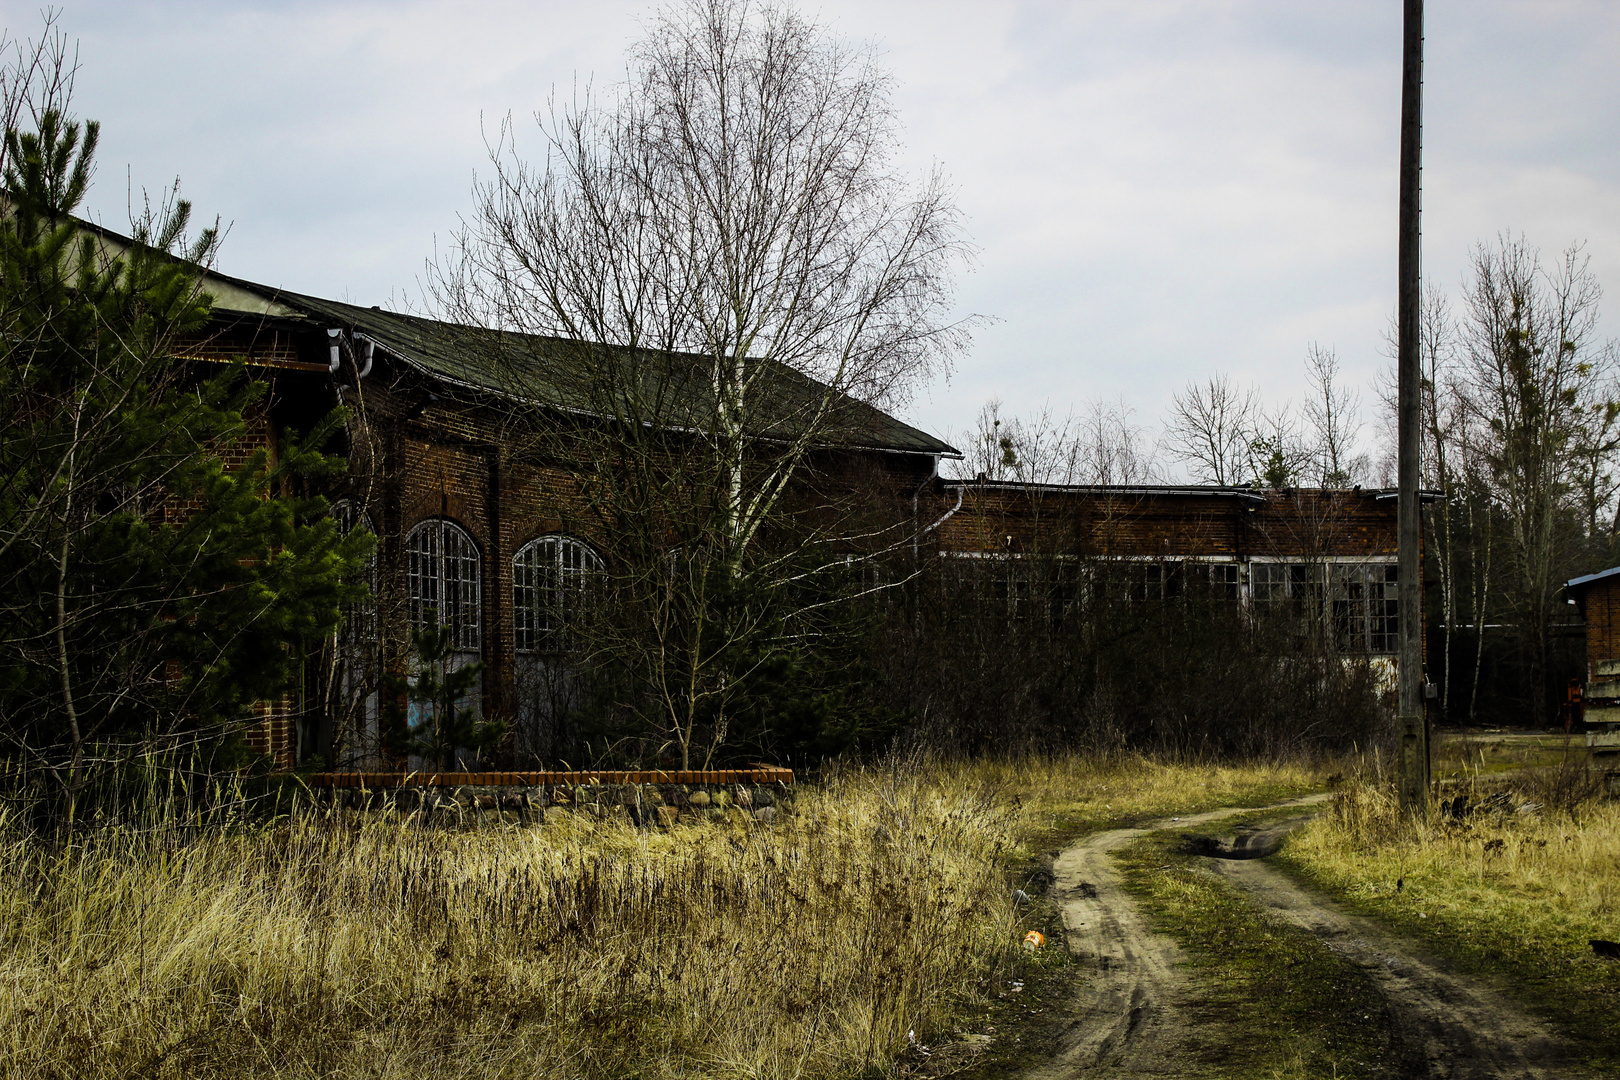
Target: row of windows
1035, 590
1361, 600
444, 578
549, 579
1357, 600
551, 575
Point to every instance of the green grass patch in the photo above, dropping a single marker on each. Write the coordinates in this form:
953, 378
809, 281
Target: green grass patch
1268, 1000
1511, 899
1460, 755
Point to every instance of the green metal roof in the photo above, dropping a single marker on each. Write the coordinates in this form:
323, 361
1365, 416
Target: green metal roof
538, 369
541, 370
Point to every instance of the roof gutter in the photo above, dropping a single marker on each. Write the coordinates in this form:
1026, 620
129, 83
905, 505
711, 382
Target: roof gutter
1244, 493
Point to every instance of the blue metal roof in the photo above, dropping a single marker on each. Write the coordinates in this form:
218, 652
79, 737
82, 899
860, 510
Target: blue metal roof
1589, 578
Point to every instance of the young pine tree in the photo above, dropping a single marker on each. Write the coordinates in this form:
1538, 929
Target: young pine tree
148, 593
433, 715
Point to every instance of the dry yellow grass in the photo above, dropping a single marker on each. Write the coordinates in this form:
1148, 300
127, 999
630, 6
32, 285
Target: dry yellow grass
1515, 888
368, 947
364, 945
1546, 875
1061, 795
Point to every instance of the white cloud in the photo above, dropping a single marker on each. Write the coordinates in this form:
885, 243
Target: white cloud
1159, 189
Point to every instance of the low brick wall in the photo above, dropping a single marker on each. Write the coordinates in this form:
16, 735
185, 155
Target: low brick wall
644, 798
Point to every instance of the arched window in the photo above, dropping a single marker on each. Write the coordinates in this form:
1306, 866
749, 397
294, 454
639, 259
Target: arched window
359, 619
443, 578
550, 580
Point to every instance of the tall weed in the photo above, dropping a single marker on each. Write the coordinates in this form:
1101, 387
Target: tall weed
368, 946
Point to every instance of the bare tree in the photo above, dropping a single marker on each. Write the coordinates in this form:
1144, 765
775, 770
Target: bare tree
1108, 448
1540, 386
1099, 446
1211, 430
1006, 447
731, 269
1279, 453
1462, 538
1331, 413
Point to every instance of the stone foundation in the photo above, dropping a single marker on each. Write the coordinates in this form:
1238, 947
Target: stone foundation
644, 799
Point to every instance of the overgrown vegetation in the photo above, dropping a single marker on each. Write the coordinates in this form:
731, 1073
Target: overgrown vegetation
724, 322
365, 945
1061, 651
151, 589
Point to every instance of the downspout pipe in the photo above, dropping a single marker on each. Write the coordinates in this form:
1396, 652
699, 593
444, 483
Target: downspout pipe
961, 492
369, 344
335, 346
916, 508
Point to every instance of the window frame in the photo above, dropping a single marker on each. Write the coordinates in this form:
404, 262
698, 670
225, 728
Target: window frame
542, 609
451, 566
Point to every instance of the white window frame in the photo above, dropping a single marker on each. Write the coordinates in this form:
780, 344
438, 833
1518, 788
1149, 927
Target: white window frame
1353, 596
551, 576
444, 575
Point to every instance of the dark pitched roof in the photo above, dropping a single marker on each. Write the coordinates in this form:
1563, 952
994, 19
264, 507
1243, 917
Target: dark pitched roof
534, 368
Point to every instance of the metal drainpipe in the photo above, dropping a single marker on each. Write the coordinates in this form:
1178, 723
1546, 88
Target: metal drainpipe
370, 344
960, 492
336, 361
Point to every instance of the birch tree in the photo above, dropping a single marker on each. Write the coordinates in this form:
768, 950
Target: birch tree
1331, 414
730, 268
1212, 428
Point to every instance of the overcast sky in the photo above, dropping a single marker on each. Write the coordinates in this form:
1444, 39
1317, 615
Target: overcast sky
1160, 190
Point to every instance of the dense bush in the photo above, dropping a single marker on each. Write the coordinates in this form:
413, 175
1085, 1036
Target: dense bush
980, 661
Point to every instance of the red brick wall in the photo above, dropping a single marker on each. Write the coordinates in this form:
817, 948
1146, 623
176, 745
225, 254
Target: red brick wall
453, 460
1288, 524
270, 730
1602, 625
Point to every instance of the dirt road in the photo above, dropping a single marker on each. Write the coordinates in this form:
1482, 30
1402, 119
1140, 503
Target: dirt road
1128, 1022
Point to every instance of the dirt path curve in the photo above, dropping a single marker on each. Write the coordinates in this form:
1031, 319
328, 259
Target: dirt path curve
1451, 1027
1125, 1024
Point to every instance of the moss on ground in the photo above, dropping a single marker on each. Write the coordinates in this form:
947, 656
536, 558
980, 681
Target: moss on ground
1267, 999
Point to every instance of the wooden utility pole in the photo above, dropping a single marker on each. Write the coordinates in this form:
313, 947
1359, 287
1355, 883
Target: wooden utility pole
1414, 721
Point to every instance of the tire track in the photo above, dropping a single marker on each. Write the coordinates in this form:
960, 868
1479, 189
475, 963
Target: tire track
1127, 1021
1448, 1026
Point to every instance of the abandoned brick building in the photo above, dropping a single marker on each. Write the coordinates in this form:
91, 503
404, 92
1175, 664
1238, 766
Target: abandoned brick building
1329, 554
479, 538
